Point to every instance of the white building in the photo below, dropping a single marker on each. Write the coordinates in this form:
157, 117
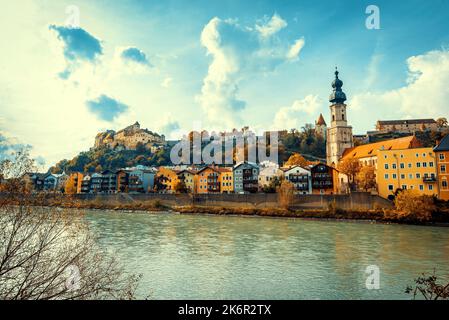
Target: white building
300, 177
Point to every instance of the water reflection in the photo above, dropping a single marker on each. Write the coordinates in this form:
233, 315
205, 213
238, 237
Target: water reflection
214, 257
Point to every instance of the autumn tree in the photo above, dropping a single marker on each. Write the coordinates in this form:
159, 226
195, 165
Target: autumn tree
180, 187
366, 178
442, 122
286, 192
70, 186
296, 159
351, 167
412, 205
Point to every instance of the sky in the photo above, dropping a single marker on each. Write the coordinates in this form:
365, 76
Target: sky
71, 69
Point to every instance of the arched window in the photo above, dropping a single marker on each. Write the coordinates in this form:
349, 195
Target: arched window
333, 117
343, 117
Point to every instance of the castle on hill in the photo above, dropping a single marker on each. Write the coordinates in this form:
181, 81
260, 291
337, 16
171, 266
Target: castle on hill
129, 138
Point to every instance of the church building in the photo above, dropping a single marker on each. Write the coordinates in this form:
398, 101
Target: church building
339, 134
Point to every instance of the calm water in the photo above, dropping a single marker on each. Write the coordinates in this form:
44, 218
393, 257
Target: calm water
213, 257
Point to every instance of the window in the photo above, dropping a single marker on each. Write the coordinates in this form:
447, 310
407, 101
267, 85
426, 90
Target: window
443, 168
430, 187
418, 176
385, 156
402, 165
394, 166
418, 164
386, 166
404, 187
395, 175
410, 175
431, 164
423, 154
444, 184
386, 176
421, 187
409, 165
390, 187
441, 156
402, 176
424, 164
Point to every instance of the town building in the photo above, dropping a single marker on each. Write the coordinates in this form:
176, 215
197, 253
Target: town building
189, 179
367, 154
402, 169
208, 180
246, 177
442, 161
226, 180
166, 180
86, 184
325, 179
300, 177
95, 183
339, 135
408, 125
268, 173
140, 179
76, 179
108, 182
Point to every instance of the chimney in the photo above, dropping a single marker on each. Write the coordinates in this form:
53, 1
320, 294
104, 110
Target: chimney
437, 142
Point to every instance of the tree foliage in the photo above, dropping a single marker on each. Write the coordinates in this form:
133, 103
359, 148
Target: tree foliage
366, 178
413, 205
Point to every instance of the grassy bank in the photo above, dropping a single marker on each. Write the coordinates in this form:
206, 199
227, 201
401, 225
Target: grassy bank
380, 215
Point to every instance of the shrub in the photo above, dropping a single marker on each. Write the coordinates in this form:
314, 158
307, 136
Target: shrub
286, 194
411, 205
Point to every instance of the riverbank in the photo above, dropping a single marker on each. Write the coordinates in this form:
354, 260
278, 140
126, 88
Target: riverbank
384, 215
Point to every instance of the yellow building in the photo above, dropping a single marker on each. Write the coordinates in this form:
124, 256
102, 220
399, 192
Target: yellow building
75, 180
189, 178
442, 157
208, 180
167, 178
406, 169
226, 179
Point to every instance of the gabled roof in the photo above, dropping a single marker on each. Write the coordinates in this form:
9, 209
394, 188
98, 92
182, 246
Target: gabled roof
320, 121
370, 150
443, 145
254, 165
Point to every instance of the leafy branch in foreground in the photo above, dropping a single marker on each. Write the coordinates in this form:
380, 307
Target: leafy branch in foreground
427, 286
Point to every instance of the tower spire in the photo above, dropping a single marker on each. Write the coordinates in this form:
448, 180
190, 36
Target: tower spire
337, 95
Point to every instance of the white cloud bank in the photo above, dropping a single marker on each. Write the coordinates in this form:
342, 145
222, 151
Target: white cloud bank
426, 93
239, 52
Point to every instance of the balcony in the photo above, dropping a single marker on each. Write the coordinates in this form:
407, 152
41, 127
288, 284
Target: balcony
430, 179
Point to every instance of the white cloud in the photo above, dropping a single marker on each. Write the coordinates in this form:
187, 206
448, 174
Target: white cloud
297, 114
273, 26
167, 82
237, 53
295, 49
426, 93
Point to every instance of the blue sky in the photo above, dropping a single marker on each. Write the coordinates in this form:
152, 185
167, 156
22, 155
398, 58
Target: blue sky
176, 65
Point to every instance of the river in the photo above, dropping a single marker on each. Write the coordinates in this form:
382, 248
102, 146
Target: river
227, 257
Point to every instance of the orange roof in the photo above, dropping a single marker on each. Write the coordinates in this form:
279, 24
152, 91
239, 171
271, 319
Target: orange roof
370, 150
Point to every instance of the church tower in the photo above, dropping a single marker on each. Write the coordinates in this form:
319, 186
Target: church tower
339, 134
